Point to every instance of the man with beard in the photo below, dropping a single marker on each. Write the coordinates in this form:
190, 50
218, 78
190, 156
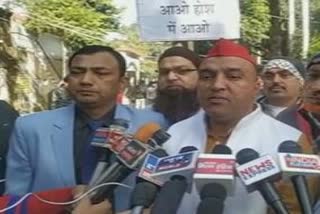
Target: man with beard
306, 116
177, 80
282, 84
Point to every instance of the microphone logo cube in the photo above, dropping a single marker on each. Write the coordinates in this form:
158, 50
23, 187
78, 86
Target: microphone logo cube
299, 163
100, 137
132, 153
217, 168
257, 170
174, 162
148, 168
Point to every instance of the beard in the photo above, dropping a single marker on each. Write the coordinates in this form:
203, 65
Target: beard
176, 105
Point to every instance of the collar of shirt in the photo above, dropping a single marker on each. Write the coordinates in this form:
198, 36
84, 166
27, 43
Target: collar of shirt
82, 120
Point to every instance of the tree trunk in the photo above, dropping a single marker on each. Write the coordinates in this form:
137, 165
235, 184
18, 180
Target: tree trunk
8, 55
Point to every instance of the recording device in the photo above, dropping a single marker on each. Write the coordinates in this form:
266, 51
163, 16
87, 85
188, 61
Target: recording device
217, 167
145, 192
128, 159
296, 165
170, 196
212, 197
101, 140
257, 173
177, 171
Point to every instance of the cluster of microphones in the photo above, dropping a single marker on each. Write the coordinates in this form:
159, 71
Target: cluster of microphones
163, 180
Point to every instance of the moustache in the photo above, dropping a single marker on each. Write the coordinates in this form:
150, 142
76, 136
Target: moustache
277, 86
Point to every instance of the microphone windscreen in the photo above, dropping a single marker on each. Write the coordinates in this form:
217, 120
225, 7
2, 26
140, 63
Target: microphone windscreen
289, 146
188, 149
159, 153
246, 155
146, 131
221, 149
213, 190
211, 206
144, 194
160, 137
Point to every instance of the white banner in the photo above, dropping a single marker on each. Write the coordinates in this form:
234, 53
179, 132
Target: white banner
177, 20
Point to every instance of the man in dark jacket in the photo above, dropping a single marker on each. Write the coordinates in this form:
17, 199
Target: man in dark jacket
306, 116
7, 117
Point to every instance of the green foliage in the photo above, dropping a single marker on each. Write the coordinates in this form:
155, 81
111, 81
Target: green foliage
78, 22
255, 22
315, 27
147, 51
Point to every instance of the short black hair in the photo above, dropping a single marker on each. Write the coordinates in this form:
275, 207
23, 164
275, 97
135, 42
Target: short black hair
92, 49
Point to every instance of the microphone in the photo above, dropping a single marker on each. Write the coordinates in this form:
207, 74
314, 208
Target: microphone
217, 167
212, 197
145, 192
173, 190
289, 156
182, 164
128, 159
170, 196
100, 139
256, 173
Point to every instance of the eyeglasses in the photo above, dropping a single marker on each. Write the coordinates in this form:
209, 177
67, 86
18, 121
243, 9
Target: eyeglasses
180, 72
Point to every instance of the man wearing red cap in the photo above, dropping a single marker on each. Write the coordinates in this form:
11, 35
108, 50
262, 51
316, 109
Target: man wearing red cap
228, 84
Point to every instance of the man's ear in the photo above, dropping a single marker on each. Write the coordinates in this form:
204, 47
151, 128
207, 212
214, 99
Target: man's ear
123, 83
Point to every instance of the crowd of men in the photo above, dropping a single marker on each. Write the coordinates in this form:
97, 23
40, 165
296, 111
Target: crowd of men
200, 102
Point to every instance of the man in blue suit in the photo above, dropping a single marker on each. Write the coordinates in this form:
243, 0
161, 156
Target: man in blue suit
48, 148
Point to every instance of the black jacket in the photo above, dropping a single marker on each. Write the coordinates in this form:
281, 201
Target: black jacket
7, 117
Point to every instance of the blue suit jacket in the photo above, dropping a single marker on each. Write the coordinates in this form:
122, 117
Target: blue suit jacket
40, 155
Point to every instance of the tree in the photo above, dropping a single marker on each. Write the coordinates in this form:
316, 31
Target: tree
315, 27
78, 22
148, 51
255, 27
255, 24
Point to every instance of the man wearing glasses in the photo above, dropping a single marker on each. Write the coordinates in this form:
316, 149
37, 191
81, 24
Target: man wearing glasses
177, 81
282, 84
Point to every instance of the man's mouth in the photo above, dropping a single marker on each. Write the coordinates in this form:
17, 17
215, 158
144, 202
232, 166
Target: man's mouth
277, 88
217, 99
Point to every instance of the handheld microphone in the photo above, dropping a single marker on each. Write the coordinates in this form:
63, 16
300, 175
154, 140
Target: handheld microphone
101, 139
173, 190
145, 192
289, 149
212, 197
182, 164
170, 196
255, 172
217, 167
129, 159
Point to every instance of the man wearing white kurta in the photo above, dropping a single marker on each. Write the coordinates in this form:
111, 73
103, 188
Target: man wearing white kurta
227, 88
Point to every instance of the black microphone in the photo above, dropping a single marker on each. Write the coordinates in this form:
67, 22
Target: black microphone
212, 197
118, 126
266, 188
128, 159
170, 196
145, 192
299, 181
172, 191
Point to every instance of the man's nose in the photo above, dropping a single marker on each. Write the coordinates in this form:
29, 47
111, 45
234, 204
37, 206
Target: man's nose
172, 75
87, 77
277, 78
219, 82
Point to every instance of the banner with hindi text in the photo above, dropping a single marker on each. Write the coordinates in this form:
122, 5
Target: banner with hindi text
178, 20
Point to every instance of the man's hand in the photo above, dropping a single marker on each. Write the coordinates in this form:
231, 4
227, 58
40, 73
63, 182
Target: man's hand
84, 206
